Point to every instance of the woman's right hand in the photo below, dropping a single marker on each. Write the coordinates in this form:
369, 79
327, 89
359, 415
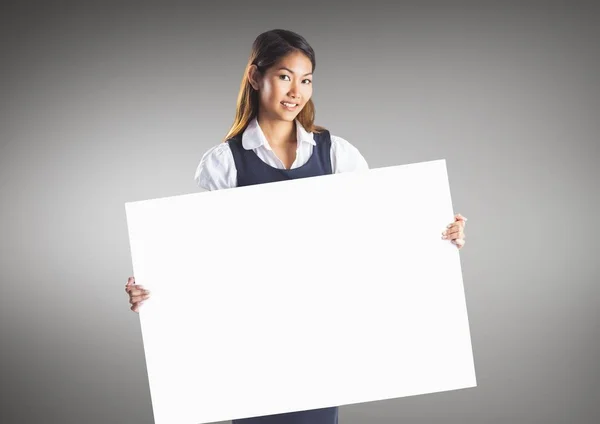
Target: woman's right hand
137, 294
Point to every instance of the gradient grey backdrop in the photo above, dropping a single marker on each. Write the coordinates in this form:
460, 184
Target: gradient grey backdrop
102, 104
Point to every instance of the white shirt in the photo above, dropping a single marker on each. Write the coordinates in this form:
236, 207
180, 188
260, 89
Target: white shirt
217, 168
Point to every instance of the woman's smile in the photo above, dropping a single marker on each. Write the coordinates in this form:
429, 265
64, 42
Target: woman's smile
289, 106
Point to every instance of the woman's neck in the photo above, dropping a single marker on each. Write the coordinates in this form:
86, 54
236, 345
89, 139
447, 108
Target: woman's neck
278, 133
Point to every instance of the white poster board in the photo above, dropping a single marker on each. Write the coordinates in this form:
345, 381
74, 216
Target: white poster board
303, 294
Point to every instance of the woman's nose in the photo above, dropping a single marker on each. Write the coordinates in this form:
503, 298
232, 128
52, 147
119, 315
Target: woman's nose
294, 91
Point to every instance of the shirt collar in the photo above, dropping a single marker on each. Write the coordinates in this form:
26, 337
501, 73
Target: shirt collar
253, 136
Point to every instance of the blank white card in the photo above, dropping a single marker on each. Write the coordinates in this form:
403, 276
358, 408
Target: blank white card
303, 294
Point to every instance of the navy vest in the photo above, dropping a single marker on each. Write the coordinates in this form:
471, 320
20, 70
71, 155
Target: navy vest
252, 170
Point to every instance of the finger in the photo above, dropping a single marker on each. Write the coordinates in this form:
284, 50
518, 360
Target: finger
139, 295
136, 306
452, 229
453, 234
459, 223
134, 292
456, 224
130, 283
459, 217
130, 289
459, 242
135, 299
455, 229
138, 292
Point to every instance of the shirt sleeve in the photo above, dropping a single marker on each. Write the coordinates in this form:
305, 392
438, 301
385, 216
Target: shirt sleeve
345, 157
216, 169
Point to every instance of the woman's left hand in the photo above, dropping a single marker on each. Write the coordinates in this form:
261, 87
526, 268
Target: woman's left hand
455, 232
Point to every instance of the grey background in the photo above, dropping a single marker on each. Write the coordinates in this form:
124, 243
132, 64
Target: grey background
103, 104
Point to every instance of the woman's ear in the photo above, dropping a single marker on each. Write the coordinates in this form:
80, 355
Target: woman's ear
253, 76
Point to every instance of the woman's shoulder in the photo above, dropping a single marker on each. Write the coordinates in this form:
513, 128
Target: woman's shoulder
216, 169
345, 156
320, 132
341, 142
216, 152
219, 155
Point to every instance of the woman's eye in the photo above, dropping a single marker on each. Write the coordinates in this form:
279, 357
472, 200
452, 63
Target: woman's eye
307, 81
283, 77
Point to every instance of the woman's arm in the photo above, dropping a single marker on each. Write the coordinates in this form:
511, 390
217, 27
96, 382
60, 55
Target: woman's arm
345, 157
216, 169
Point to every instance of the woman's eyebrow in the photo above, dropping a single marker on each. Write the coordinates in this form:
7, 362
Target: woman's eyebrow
289, 70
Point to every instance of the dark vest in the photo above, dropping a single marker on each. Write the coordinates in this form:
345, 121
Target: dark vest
252, 170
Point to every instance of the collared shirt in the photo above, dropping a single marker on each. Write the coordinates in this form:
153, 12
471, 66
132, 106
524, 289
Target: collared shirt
217, 168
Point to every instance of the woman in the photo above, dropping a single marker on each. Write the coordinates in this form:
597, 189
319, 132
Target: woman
274, 138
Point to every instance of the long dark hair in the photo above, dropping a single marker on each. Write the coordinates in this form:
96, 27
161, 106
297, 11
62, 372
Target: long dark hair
267, 49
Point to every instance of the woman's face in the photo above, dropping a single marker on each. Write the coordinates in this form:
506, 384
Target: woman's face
285, 88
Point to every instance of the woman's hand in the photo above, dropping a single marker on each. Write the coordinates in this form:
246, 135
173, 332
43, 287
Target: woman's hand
455, 232
137, 294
